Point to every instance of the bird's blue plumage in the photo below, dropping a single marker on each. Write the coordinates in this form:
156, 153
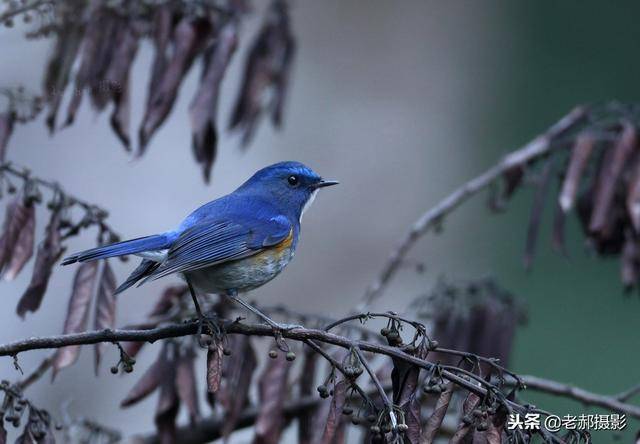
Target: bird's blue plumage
234, 243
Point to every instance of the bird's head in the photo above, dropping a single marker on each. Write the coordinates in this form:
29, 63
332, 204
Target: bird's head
292, 186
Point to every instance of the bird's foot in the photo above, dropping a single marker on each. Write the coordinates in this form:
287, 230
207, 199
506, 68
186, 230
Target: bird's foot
209, 328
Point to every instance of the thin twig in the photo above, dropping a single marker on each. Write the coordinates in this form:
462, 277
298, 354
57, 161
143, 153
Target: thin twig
25, 174
383, 394
36, 374
538, 147
14, 11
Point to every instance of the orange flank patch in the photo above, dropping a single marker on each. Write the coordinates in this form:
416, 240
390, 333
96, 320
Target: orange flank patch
285, 244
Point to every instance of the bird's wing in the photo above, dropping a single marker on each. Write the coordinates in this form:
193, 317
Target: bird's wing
216, 241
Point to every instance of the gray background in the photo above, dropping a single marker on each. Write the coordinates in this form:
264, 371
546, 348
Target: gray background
400, 101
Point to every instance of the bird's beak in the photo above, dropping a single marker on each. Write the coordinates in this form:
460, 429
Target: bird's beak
325, 183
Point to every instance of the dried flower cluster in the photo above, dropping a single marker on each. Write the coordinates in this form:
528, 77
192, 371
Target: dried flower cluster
103, 38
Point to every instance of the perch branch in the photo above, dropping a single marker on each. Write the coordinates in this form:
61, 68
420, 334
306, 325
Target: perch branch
538, 147
305, 334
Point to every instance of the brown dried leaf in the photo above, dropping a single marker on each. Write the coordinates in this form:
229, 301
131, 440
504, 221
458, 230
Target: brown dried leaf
58, 69
307, 382
97, 50
186, 383
204, 107
512, 179
158, 372
117, 79
49, 251
469, 404
580, 154
6, 128
440, 410
170, 296
237, 373
413, 419
633, 197
189, 39
630, 263
16, 216
267, 66
214, 366
537, 209
273, 391
77, 313
105, 317
558, 236
162, 29
609, 175
23, 248
168, 406
493, 434
335, 412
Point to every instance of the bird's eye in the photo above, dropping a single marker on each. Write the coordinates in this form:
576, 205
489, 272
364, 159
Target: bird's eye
293, 180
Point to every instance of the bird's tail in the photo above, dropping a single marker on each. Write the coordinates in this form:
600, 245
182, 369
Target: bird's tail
148, 243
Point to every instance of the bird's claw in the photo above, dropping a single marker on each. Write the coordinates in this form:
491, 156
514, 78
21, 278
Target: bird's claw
208, 325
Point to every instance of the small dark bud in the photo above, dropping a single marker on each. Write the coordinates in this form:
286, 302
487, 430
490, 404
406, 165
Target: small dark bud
128, 368
384, 331
372, 418
291, 356
347, 410
114, 369
132, 361
355, 420
375, 430
483, 426
226, 351
11, 189
403, 428
273, 354
323, 391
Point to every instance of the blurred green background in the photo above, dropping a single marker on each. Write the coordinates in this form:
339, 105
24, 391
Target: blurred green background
582, 330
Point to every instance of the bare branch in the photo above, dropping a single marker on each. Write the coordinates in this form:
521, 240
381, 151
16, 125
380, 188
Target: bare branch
538, 147
613, 403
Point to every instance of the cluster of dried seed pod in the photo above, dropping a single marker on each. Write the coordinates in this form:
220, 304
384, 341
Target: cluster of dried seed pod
103, 39
596, 166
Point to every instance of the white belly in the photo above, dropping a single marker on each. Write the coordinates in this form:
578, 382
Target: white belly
241, 275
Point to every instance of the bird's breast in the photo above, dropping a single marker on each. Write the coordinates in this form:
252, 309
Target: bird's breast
245, 274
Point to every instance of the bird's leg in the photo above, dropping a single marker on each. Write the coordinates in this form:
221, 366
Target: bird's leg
204, 322
233, 295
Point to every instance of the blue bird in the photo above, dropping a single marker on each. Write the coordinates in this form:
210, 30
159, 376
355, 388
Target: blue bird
233, 244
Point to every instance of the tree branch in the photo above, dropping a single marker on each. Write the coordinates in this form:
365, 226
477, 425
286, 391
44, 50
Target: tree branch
538, 147
581, 395
305, 334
